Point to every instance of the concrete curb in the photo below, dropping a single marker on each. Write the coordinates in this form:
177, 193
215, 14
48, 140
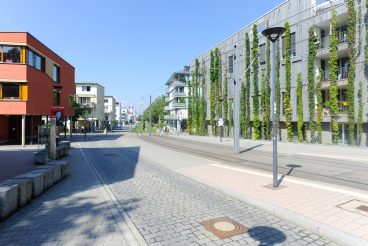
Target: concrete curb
314, 226
18, 191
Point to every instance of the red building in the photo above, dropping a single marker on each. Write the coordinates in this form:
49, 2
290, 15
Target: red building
33, 79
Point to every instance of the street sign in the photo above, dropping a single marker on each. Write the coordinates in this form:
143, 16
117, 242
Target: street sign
220, 122
57, 112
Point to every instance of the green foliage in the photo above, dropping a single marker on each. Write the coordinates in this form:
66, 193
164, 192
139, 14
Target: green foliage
299, 95
256, 122
311, 83
203, 106
366, 34
319, 107
231, 118
212, 90
190, 106
333, 78
242, 111
218, 83
225, 105
360, 112
267, 112
352, 62
278, 86
157, 110
247, 85
263, 106
79, 111
287, 100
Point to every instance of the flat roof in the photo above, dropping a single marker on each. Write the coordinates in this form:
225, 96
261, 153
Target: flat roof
88, 83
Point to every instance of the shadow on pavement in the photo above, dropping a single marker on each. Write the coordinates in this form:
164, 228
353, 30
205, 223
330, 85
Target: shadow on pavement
267, 235
16, 162
75, 210
251, 148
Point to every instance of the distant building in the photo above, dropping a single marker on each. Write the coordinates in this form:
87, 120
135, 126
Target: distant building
91, 96
118, 113
124, 115
109, 111
33, 79
177, 98
131, 114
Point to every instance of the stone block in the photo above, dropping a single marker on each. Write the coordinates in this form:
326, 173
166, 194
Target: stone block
24, 190
8, 199
37, 179
47, 172
41, 157
56, 172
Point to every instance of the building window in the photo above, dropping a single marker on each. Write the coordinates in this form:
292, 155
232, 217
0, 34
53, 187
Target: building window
56, 97
56, 73
106, 100
10, 90
35, 60
231, 64
84, 100
262, 54
86, 88
11, 54
292, 45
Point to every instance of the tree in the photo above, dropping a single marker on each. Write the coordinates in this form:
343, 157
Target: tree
299, 95
256, 123
311, 83
351, 75
333, 78
247, 85
287, 100
157, 109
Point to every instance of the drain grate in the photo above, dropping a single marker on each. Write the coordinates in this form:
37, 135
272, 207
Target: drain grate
363, 208
355, 206
224, 227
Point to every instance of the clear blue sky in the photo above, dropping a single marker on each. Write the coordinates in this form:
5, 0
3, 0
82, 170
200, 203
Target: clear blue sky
130, 47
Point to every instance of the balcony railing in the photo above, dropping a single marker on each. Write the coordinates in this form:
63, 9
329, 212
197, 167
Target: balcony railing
324, 43
342, 74
178, 105
178, 94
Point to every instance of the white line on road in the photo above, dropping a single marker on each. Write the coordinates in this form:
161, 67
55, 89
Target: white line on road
315, 184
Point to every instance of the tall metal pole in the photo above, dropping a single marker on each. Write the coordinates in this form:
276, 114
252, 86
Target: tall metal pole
236, 107
274, 130
150, 117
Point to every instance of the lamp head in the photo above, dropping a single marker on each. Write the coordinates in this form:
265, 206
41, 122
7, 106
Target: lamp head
273, 33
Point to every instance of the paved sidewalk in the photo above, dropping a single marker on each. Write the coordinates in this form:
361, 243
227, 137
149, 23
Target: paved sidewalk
77, 211
329, 210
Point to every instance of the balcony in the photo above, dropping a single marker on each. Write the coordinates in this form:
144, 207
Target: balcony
177, 105
323, 50
342, 115
342, 78
178, 94
167, 108
170, 117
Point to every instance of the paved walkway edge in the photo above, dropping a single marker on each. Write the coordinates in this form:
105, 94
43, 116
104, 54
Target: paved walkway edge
314, 226
110, 196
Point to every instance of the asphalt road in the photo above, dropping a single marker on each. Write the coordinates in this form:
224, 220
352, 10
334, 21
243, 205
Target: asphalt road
334, 171
168, 208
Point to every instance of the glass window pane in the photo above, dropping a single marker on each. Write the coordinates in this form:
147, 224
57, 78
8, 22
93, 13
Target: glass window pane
10, 90
12, 54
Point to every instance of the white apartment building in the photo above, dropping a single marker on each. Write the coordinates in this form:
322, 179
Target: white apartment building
91, 96
124, 115
109, 111
177, 98
118, 113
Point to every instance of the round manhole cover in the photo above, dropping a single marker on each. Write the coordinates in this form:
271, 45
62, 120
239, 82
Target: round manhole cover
224, 226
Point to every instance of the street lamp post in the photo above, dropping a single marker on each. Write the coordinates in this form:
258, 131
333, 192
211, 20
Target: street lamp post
220, 122
236, 108
273, 34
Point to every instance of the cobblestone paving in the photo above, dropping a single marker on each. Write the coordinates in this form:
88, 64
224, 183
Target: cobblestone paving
168, 208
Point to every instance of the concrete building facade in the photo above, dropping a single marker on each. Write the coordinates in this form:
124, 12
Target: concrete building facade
118, 114
301, 15
33, 79
176, 114
91, 96
109, 111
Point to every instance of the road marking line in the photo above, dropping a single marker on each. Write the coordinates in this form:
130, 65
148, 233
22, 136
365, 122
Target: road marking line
336, 157
329, 187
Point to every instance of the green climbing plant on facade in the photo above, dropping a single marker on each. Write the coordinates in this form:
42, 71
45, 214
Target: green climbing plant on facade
195, 101
333, 78
360, 112
351, 75
278, 86
287, 99
312, 49
366, 33
225, 105
263, 106
212, 91
267, 113
203, 106
319, 107
218, 90
247, 85
256, 121
299, 97
189, 121
243, 132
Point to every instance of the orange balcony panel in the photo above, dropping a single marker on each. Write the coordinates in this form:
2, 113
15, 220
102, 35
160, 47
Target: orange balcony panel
8, 107
13, 72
